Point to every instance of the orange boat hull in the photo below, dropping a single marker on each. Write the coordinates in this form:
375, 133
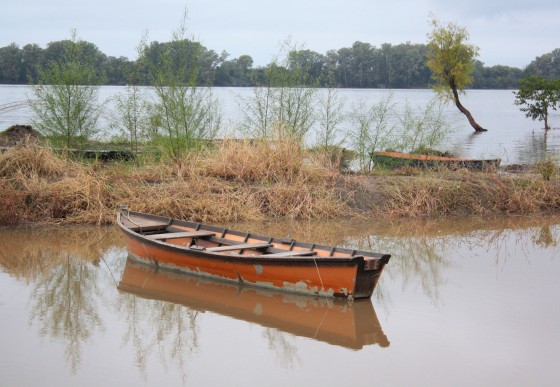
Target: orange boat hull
338, 275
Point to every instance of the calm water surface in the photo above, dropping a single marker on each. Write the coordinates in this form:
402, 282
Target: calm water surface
460, 303
511, 136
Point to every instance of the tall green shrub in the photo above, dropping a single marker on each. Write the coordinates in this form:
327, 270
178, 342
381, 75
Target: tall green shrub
285, 107
186, 115
65, 100
374, 127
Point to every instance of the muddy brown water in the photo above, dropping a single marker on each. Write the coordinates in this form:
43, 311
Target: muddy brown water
462, 302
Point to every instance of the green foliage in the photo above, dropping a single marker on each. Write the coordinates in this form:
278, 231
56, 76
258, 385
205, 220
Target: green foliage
545, 66
65, 100
537, 96
423, 128
381, 127
450, 57
374, 128
495, 77
133, 120
10, 59
361, 65
285, 107
187, 115
330, 116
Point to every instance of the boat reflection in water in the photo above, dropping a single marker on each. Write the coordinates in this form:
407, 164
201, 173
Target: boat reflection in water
338, 322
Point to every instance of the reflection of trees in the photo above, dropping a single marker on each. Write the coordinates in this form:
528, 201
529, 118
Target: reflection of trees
535, 147
154, 326
26, 253
280, 343
63, 304
426, 252
413, 259
63, 266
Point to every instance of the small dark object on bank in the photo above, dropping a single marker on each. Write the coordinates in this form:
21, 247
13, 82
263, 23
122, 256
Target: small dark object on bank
17, 134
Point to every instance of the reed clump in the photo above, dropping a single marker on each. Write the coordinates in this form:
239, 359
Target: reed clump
469, 193
256, 160
30, 159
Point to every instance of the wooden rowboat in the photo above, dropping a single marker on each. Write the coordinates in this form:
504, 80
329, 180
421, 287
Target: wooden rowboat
334, 321
398, 160
250, 259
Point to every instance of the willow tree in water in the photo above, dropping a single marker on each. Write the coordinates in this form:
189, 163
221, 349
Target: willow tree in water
451, 60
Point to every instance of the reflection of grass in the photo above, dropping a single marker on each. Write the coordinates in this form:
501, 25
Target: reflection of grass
28, 253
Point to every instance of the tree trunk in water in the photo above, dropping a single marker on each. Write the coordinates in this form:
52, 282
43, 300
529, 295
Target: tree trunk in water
463, 110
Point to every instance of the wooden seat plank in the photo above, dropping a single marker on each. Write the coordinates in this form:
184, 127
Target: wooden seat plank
137, 224
182, 234
240, 246
298, 253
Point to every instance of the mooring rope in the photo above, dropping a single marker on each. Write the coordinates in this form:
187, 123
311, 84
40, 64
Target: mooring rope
319, 274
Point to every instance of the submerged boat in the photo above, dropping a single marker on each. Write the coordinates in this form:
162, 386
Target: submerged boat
250, 259
334, 321
398, 160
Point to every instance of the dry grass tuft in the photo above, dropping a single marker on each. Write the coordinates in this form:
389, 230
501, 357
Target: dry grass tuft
256, 161
201, 199
470, 193
31, 159
300, 201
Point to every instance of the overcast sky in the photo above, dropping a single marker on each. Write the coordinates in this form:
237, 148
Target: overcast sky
508, 32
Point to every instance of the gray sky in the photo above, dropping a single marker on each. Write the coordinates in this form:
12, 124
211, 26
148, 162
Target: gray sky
508, 32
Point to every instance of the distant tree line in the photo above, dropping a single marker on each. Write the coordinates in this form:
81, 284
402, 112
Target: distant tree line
360, 66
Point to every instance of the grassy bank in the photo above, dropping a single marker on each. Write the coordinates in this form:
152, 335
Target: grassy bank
238, 181
470, 193
249, 181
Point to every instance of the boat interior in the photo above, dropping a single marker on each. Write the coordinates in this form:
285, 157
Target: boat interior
211, 239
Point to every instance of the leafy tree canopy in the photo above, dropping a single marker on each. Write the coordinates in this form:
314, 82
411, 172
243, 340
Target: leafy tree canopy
362, 65
536, 96
450, 58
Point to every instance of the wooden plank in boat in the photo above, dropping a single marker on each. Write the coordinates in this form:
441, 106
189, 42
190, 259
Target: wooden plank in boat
240, 246
137, 224
297, 253
185, 234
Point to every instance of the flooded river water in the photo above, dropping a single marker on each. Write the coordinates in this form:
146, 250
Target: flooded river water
511, 137
460, 303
